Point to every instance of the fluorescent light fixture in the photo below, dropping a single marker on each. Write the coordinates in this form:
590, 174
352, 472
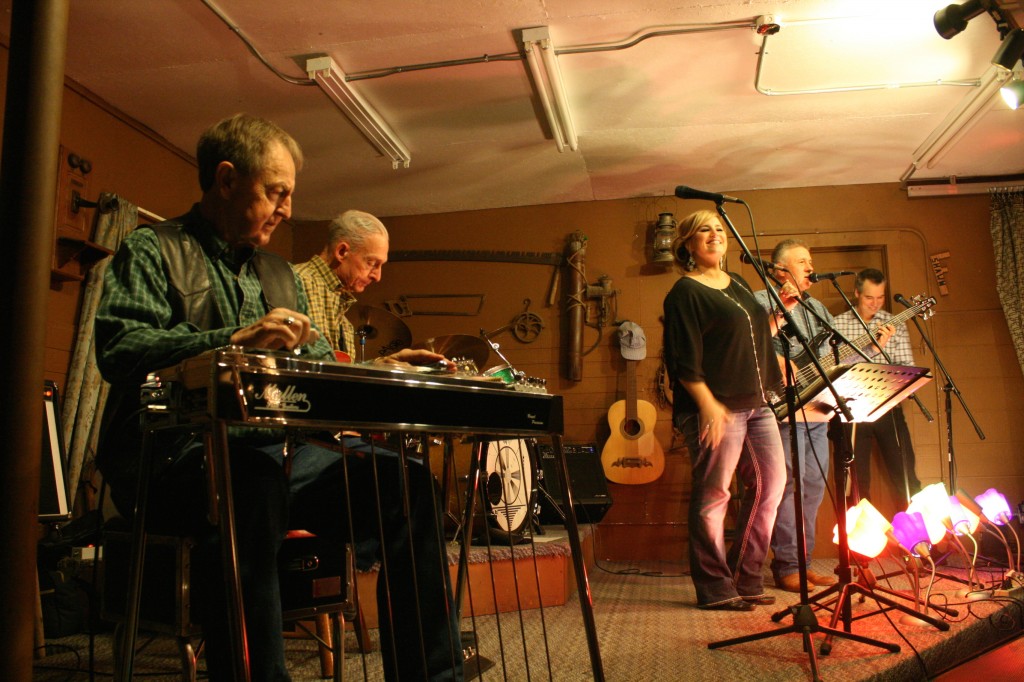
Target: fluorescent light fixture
960, 120
547, 77
961, 186
331, 80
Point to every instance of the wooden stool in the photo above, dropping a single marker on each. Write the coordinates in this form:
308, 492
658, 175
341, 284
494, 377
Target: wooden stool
316, 583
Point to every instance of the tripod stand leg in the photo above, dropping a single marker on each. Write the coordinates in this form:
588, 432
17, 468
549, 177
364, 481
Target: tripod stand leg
846, 595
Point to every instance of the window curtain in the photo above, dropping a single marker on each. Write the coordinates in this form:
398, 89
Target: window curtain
1007, 227
86, 392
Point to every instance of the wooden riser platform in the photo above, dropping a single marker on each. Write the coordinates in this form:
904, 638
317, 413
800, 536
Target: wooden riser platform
492, 584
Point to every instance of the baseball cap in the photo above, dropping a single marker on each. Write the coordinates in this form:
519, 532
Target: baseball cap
632, 341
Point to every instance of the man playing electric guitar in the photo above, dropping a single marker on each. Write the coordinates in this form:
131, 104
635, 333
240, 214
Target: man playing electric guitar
890, 430
793, 262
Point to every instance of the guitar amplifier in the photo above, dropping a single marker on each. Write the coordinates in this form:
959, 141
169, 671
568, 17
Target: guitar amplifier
586, 480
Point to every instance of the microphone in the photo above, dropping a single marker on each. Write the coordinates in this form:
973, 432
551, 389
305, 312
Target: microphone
684, 192
765, 265
902, 301
818, 276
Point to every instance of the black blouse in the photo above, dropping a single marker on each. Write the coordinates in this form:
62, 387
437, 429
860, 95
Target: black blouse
720, 337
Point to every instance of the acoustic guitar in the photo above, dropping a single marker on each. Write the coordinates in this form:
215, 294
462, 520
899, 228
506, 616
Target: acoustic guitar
632, 455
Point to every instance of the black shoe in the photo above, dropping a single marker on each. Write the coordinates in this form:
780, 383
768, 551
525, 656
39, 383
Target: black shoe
760, 600
734, 605
474, 666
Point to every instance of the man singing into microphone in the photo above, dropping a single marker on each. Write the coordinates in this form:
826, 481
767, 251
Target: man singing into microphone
812, 437
890, 430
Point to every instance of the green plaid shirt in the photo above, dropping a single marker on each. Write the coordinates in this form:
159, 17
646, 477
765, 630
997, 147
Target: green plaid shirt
136, 332
328, 303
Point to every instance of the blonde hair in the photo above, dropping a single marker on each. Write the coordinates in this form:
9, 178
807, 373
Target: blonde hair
688, 227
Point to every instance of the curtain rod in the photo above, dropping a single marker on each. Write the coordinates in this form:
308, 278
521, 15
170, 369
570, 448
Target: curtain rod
108, 204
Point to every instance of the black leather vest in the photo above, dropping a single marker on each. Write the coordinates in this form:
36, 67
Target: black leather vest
191, 295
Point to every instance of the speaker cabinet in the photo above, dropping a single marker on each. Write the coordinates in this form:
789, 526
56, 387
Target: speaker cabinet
586, 480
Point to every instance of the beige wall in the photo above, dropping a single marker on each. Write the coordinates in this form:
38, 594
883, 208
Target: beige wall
967, 329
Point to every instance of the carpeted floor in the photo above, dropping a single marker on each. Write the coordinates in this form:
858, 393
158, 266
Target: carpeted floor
649, 629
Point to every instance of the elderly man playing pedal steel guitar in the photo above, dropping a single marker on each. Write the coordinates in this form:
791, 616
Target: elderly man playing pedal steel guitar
201, 281
890, 430
812, 437
352, 259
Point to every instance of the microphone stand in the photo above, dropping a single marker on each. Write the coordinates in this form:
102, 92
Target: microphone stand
805, 623
838, 598
903, 448
949, 388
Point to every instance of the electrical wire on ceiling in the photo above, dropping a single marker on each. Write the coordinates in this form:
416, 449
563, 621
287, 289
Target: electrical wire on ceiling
635, 39
252, 48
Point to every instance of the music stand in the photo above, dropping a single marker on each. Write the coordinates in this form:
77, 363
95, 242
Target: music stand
869, 391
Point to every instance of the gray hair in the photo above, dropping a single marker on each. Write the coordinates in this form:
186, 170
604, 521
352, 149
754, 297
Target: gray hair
779, 252
243, 141
354, 227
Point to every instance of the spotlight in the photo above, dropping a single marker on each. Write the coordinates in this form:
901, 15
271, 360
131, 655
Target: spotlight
1013, 93
1010, 50
952, 19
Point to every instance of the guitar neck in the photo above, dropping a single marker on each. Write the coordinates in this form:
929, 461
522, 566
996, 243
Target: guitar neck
848, 352
631, 412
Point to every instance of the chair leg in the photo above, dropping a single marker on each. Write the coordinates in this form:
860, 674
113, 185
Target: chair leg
188, 659
327, 646
362, 633
338, 630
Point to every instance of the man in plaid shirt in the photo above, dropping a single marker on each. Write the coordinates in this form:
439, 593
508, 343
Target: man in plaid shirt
356, 250
890, 430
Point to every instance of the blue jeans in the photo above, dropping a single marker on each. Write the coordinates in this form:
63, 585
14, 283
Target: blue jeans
405, 536
751, 449
812, 446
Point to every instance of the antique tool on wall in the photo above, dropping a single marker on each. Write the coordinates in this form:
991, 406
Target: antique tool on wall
378, 332
403, 306
577, 304
525, 326
458, 347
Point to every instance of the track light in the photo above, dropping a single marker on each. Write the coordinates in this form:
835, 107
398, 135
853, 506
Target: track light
1013, 93
547, 77
331, 80
952, 19
1010, 50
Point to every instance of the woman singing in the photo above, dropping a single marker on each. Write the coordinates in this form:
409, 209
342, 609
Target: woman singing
719, 355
